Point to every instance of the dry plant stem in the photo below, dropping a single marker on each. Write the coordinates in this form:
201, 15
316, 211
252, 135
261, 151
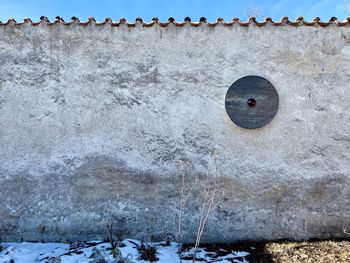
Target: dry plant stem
182, 185
110, 233
180, 234
207, 207
183, 201
345, 231
210, 201
184, 197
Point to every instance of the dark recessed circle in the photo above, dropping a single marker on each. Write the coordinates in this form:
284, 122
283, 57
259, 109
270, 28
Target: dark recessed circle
251, 102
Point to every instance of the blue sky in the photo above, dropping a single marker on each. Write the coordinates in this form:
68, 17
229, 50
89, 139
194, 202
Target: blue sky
163, 9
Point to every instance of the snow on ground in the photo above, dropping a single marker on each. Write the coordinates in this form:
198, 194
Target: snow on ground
27, 252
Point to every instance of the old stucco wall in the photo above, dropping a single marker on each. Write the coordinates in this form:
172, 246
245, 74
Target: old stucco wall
94, 120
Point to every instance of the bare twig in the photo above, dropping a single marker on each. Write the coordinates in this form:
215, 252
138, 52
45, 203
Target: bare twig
110, 234
345, 231
212, 197
184, 196
137, 246
252, 10
93, 244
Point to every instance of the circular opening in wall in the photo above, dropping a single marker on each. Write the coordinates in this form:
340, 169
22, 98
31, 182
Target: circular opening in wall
251, 102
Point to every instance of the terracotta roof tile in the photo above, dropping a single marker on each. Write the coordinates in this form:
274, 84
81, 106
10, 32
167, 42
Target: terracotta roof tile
299, 21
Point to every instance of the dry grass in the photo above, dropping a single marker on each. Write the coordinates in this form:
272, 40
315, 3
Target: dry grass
284, 252
321, 251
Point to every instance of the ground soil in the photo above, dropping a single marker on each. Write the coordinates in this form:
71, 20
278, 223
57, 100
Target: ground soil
321, 251
288, 252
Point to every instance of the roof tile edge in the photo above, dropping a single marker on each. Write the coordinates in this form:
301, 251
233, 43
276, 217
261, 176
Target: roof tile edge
284, 21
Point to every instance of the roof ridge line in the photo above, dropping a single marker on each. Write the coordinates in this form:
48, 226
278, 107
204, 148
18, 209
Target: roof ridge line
299, 21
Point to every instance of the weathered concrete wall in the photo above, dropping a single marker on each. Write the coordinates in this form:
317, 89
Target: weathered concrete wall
94, 120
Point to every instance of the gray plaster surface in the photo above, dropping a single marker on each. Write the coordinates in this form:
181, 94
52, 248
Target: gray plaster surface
94, 121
